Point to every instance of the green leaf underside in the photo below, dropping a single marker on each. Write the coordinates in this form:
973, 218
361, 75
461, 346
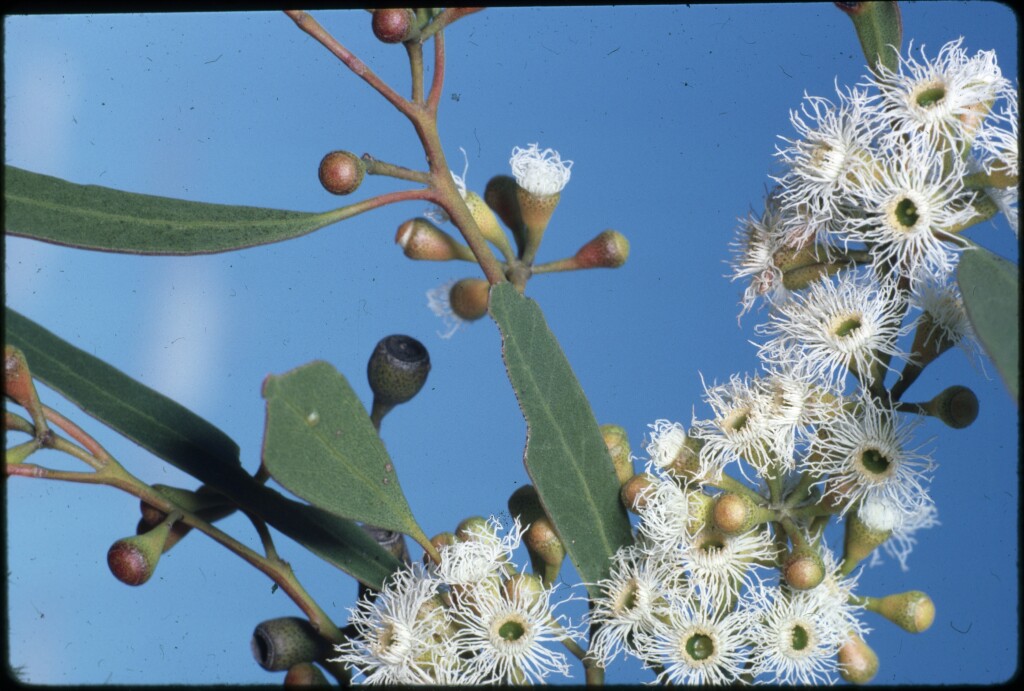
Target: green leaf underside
321, 445
190, 443
880, 30
989, 285
91, 217
565, 455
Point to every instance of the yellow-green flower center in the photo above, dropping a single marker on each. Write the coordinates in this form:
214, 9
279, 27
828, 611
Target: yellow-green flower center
700, 647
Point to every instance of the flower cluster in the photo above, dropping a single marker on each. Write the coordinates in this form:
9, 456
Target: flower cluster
471, 619
733, 581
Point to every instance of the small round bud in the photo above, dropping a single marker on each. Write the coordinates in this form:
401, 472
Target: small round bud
734, 514
634, 491
468, 298
341, 172
525, 504
133, 560
608, 250
542, 540
803, 569
420, 239
912, 611
858, 663
470, 528
392, 25
304, 674
618, 448
957, 406
397, 369
443, 539
526, 584
280, 644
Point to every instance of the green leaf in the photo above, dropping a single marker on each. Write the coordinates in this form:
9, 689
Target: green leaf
319, 443
989, 285
187, 441
99, 218
880, 30
565, 456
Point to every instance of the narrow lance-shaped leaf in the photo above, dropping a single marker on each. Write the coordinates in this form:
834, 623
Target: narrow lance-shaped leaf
320, 444
880, 30
565, 456
989, 286
100, 218
190, 443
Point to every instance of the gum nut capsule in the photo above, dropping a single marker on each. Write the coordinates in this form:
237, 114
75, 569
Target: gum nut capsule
397, 369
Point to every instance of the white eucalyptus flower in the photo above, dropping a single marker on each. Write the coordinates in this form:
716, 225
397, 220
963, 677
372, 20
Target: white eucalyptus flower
740, 430
541, 173
721, 565
483, 555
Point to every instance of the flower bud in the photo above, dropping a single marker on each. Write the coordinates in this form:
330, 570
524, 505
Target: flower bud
468, 298
133, 560
802, 276
469, 528
421, 239
618, 448
304, 674
280, 644
341, 172
912, 611
397, 369
957, 406
524, 584
633, 491
734, 514
17, 378
487, 222
500, 194
858, 663
608, 250
860, 538
543, 544
393, 25
803, 568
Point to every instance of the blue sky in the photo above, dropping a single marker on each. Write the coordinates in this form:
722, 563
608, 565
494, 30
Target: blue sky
671, 115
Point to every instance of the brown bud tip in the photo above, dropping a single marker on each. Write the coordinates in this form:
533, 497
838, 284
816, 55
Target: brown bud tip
803, 569
633, 492
608, 250
731, 513
341, 172
304, 674
392, 25
858, 663
468, 298
130, 561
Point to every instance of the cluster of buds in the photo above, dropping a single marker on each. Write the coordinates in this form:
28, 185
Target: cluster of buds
733, 581
525, 203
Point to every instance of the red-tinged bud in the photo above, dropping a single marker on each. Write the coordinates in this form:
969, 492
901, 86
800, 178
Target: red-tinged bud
18, 383
858, 663
634, 492
304, 674
280, 644
133, 560
543, 542
393, 25
734, 514
618, 448
421, 239
912, 611
468, 298
803, 569
608, 250
341, 172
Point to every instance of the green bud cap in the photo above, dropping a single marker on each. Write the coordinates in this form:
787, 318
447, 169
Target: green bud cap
526, 584
957, 406
858, 663
487, 222
397, 369
734, 514
912, 611
618, 448
393, 25
420, 239
464, 532
500, 194
468, 298
133, 560
608, 250
304, 674
341, 172
803, 569
280, 644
